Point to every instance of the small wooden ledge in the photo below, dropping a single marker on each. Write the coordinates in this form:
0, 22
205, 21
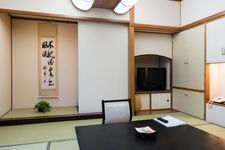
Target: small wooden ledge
152, 92
155, 28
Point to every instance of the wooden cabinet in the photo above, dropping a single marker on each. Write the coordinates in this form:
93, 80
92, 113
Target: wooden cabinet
215, 41
189, 102
145, 101
160, 101
188, 59
155, 100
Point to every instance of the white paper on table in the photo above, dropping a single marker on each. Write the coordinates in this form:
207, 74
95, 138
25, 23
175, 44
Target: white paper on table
146, 130
172, 122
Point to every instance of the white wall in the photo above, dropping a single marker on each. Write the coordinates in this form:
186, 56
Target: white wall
25, 64
217, 81
151, 43
194, 10
5, 63
62, 7
215, 42
103, 64
158, 12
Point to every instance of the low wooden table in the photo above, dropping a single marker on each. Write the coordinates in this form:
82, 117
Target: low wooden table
122, 136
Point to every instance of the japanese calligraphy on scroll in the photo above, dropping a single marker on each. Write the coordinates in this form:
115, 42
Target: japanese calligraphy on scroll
48, 63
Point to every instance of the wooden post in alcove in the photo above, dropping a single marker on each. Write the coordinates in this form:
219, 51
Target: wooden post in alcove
131, 59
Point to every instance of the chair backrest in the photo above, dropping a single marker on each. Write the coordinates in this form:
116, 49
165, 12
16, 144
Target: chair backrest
116, 111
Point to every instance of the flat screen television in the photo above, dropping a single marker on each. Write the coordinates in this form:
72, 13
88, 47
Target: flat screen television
156, 78
150, 79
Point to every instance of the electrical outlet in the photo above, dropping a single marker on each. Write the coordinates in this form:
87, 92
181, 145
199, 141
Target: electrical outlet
223, 51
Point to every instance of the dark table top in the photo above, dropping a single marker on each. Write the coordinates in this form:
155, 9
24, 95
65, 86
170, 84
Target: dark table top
122, 136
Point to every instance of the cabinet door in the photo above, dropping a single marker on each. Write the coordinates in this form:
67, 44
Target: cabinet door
188, 58
215, 41
160, 101
195, 104
145, 101
189, 102
179, 61
179, 100
195, 57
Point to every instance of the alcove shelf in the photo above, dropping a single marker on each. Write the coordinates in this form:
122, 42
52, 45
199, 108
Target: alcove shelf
144, 62
215, 85
153, 97
152, 92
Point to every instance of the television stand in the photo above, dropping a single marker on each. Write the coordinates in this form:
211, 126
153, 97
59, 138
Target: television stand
155, 100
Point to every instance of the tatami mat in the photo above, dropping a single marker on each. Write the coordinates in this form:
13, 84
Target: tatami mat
38, 146
65, 145
22, 113
21, 134
61, 135
213, 129
184, 117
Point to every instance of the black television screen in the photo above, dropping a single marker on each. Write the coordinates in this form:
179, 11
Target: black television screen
156, 78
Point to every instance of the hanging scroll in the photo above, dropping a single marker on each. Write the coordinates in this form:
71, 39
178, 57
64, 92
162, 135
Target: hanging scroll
48, 63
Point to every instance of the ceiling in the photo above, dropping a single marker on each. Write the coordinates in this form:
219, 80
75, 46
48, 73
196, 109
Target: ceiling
110, 4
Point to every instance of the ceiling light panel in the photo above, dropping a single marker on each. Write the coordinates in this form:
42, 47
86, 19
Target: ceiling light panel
124, 6
83, 4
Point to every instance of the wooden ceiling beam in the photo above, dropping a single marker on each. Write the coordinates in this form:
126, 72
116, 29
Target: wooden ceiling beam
155, 28
105, 4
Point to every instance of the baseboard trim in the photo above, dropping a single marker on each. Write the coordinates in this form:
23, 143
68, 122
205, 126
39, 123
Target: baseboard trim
47, 119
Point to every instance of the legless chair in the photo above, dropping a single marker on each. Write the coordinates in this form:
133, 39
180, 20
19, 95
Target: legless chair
116, 111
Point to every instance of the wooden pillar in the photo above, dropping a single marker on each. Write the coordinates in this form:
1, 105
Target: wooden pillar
131, 60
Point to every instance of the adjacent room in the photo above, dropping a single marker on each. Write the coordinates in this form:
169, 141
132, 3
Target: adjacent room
118, 74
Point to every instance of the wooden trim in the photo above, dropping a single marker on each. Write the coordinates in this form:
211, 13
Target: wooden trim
155, 28
217, 104
215, 63
102, 20
59, 17
43, 19
152, 92
131, 60
189, 89
161, 109
206, 73
170, 59
150, 103
204, 20
171, 79
45, 119
11, 57
207, 82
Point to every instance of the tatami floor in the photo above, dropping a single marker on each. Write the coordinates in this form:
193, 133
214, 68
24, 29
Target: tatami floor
61, 135
23, 113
